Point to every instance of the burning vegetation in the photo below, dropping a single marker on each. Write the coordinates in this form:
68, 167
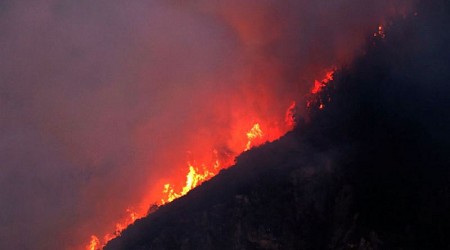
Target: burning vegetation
369, 170
197, 173
111, 107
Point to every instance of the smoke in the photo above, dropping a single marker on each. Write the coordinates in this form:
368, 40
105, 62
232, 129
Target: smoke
101, 99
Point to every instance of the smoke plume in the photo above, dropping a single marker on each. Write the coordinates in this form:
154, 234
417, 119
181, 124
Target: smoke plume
100, 100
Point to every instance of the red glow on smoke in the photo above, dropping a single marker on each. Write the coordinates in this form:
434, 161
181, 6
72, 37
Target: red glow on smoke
251, 117
202, 167
319, 85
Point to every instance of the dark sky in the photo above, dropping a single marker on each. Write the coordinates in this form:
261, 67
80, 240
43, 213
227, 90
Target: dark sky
101, 99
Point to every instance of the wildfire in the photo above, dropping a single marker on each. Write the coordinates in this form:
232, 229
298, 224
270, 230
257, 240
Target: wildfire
194, 178
132, 217
94, 244
197, 173
289, 118
318, 87
255, 132
329, 76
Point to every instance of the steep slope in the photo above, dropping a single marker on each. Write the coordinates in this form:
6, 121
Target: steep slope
369, 171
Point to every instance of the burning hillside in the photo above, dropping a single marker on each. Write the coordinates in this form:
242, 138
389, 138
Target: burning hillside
199, 173
367, 170
110, 108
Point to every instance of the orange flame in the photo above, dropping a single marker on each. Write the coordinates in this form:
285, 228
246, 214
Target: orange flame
289, 118
319, 85
131, 217
193, 178
255, 132
196, 176
94, 244
199, 173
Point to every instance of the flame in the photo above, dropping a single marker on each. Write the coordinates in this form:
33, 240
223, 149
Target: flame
131, 217
289, 118
196, 175
329, 76
199, 172
319, 85
94, 244
194, 178
255, 132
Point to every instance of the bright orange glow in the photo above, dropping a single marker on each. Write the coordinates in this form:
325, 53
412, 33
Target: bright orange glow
246, 136
94, 244
254, 133
194, 178
319, 85
289, 118
131, 217
197, 175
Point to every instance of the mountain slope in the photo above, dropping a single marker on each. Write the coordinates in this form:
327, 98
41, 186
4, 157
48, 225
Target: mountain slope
370, 171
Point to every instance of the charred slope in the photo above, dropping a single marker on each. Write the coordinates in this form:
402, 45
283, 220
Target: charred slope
370, 171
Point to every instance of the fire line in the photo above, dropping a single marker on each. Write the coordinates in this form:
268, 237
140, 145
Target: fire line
199, 173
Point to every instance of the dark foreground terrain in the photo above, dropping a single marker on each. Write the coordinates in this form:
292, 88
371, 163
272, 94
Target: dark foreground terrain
369, 171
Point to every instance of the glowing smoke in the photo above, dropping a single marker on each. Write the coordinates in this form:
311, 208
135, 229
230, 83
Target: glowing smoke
101, 99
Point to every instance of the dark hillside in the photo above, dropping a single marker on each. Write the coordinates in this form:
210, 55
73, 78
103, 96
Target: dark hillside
369, 171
